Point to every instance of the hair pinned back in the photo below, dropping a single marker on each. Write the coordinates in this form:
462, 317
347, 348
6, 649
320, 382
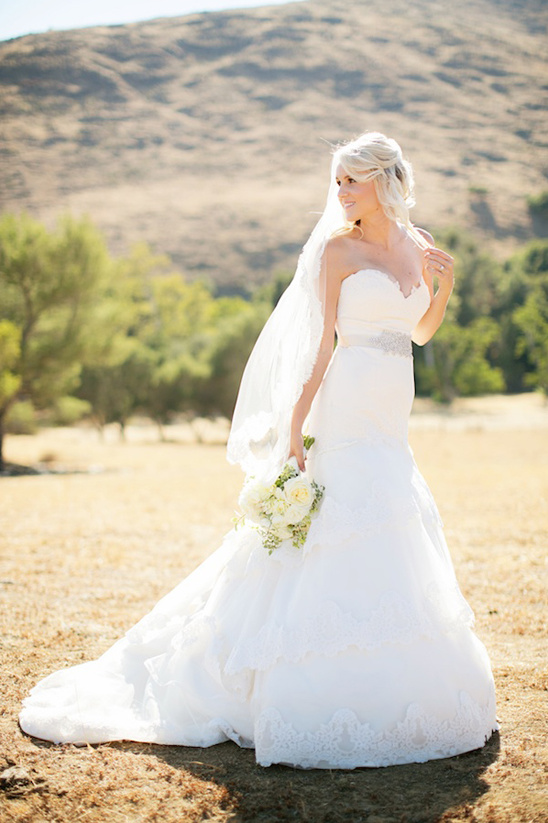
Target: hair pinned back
373, 156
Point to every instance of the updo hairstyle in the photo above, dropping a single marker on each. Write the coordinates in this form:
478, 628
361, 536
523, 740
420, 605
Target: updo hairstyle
373, 156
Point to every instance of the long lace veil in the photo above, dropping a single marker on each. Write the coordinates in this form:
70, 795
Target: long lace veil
283, 358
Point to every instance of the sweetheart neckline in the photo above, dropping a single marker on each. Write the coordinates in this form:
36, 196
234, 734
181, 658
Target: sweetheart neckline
391, 279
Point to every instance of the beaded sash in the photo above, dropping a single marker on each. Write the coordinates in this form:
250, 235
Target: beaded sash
390, 342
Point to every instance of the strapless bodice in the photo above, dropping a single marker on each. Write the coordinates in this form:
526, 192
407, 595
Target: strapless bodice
371, 301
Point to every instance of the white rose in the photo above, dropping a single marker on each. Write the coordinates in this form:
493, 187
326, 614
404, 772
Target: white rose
294, 514
280, 526
299, 492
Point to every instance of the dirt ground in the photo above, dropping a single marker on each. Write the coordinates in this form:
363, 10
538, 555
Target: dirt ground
84, 554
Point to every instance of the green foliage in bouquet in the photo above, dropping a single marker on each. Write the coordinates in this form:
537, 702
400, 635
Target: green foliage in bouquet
284, 510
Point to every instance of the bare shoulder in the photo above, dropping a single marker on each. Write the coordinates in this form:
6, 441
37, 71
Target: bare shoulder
339, 245
426, 234
338, 254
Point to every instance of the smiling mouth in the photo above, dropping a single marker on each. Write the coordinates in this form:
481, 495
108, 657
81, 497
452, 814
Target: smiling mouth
348, 205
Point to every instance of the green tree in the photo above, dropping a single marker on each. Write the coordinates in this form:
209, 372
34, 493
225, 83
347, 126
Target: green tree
463, 357
174, 387
272, 291
456, 361
49, 282
178, 334
531, 260
153, 334
117, 365
10, 352
538, 211
477, 277
532, 322
115, 387
522, 275
237, 326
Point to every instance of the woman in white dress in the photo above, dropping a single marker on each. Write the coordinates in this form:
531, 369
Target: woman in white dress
355, 649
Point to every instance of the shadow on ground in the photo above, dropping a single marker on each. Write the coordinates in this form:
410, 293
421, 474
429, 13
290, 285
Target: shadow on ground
415, 793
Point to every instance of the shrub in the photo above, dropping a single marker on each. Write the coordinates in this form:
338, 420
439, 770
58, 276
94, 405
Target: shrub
538, 204
21, 418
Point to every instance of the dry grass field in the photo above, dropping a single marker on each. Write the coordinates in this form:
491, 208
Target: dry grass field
85, 554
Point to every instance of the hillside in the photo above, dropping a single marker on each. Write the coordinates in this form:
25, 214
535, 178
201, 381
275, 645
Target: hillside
204, 134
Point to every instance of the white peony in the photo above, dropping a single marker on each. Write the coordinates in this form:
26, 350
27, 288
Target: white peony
252, 499
279, 507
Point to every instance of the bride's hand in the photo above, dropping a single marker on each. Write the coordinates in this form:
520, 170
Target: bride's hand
440, 264
297, 449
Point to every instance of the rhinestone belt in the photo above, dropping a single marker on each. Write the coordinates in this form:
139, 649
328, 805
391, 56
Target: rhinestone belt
396, 343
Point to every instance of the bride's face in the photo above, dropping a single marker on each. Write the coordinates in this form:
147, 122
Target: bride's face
358, 200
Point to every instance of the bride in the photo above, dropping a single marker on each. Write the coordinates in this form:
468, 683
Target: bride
356, 648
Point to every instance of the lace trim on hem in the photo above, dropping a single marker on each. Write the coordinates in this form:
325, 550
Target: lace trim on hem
346, 743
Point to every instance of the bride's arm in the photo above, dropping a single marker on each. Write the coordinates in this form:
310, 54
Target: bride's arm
333, 281
436, 263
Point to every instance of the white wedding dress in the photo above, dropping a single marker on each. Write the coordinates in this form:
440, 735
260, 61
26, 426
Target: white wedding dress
355, 650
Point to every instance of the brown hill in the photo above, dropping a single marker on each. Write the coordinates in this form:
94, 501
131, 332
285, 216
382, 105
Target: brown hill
204, 134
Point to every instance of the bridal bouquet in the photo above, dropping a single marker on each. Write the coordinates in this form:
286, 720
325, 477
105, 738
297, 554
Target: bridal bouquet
284, 510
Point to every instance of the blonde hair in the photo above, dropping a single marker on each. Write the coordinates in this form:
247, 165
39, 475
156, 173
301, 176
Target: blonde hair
373, 156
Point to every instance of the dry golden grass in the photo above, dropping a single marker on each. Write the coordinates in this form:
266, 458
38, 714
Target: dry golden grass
85, 555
